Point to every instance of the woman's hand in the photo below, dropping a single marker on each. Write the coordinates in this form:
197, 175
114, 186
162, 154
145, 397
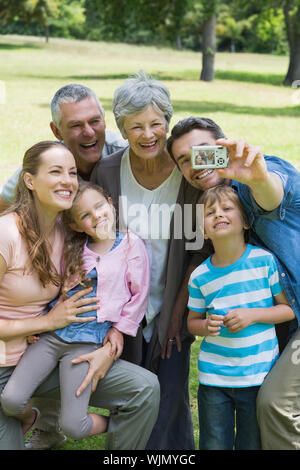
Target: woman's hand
100, 362
65, 311
116, 340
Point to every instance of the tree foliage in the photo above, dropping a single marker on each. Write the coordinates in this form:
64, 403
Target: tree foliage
27, 10
271, 26
291, 14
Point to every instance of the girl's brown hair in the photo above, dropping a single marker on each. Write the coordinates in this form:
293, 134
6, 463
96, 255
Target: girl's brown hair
28, 221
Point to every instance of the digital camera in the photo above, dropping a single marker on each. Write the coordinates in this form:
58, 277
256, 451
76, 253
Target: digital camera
209, 156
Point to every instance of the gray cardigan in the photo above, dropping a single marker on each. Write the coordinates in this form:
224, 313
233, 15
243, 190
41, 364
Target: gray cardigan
107, 175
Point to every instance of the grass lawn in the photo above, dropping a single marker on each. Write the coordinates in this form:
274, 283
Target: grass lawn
246, 99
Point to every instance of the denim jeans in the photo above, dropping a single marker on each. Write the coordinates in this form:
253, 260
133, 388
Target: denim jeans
223, 409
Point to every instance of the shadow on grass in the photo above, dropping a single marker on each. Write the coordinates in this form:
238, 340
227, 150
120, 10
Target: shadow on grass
235, 76
8, 47
185, 75
251, 77
201, 108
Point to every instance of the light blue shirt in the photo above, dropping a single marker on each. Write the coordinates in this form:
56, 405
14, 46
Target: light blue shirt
244, 358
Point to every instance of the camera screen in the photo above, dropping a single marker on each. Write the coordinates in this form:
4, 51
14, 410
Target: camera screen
205, 157
209, 156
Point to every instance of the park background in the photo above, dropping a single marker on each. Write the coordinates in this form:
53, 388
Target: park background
234, 61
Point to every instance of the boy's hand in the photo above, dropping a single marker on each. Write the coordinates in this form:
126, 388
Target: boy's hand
214, 323
238, 319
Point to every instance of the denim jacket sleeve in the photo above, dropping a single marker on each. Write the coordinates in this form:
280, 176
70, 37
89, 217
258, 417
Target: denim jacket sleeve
279, 231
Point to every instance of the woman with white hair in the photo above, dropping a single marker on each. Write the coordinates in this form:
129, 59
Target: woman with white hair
147, 184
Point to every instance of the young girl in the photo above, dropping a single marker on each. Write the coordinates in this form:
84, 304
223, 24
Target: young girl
235, 299
116, 265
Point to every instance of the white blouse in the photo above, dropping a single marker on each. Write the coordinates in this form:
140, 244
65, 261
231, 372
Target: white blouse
148, 214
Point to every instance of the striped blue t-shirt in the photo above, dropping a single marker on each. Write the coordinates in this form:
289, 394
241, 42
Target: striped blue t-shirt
244, 358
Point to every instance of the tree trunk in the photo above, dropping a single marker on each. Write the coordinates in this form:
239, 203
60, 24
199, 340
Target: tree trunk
293, 72
232, 45
293, 36
47, 33
178, 42
208, 49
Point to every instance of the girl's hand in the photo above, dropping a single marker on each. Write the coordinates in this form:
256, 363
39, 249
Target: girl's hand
238, 319
100, 362
32, 339
65, 311
116, 340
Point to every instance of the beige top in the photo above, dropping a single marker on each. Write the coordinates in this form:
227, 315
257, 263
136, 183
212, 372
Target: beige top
22, 294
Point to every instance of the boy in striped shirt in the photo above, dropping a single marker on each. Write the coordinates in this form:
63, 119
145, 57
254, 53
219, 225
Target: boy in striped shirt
235, 299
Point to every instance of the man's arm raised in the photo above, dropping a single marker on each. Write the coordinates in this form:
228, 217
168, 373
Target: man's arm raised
248, 166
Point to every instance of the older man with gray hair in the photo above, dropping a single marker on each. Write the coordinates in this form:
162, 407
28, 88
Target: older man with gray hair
78, 120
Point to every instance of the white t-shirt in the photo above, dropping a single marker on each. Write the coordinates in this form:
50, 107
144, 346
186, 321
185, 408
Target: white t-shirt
148, 213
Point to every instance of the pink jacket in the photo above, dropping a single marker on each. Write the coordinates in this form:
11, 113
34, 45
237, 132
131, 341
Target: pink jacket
123, 283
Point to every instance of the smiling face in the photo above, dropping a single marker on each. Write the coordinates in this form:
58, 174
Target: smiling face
94, 215
82, 129
55, 184
223, 218
181, 149
146, 133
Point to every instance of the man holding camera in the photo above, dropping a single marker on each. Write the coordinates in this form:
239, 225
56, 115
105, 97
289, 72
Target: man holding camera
269, 188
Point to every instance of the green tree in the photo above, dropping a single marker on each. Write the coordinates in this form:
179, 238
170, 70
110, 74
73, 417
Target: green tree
70, 21
230, 26
29, 10
291, 12
210, 12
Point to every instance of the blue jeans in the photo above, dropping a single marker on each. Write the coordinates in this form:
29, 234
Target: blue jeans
221, 409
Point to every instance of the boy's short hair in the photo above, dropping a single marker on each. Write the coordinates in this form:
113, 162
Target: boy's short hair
218, 193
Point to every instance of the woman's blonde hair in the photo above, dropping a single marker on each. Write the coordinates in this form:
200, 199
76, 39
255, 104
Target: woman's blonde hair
28, 221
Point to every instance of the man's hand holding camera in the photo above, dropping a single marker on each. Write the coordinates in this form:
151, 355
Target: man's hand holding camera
246, 162
248, 166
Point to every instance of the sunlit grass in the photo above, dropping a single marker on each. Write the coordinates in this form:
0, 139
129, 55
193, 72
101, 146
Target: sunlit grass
246, 99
